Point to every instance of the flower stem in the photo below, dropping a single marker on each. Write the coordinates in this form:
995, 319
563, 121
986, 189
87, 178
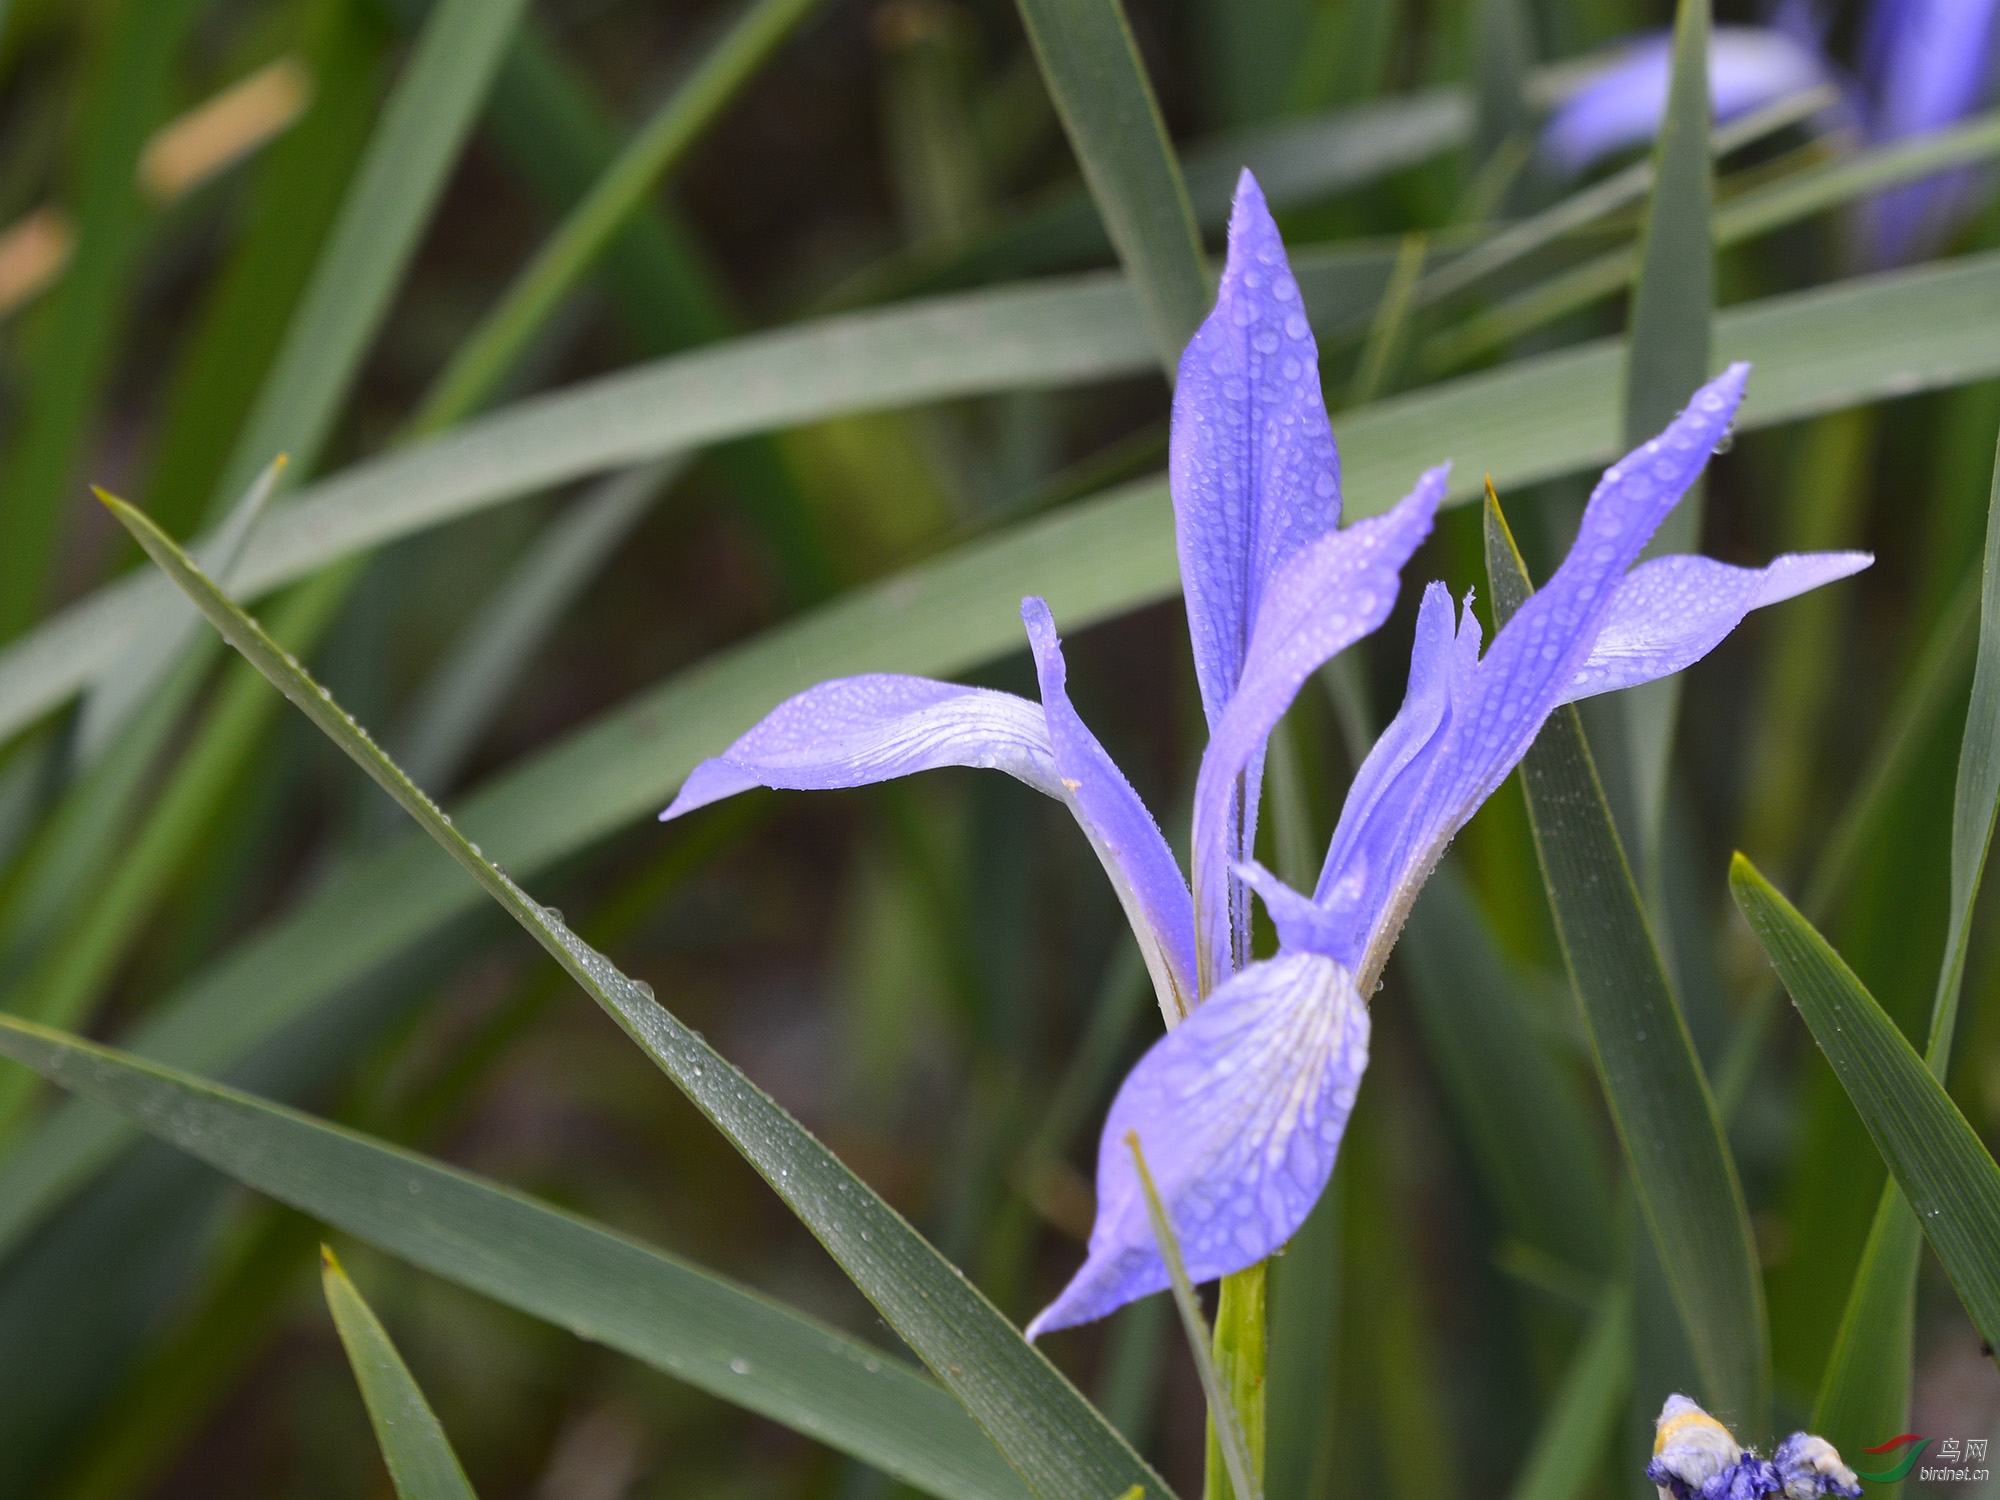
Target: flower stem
1239, 1360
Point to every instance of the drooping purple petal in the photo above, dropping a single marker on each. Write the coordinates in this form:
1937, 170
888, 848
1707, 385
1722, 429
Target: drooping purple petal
1671, 612
1329, 595
854, 731
1127, 840
1748, 67
1252, 465
1928, 64
1239, 1111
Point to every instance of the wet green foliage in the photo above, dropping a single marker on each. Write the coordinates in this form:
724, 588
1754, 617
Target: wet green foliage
551, 554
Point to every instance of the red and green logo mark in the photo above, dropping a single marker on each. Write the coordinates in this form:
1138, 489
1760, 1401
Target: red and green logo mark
1916, 1443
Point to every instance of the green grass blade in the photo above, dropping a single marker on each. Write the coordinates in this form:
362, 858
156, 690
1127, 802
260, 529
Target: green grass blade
1865, 1393
72, 340
1829, 184
1221, 1410
299, 185
1844, 345
1601, 199
1382, 351
544, 119
1935, 1156
1058, 1442
1667, 358
1673, 1141
1501, 54
1926, 690
1099, 85
482, 362
1675, 300
1869, 1377
69, 978
1533, 1139
552, 1265
1570, 1445
1976, 796
1297, 162
1758, 211
421, 1463
166, 630
456, 703
427, 118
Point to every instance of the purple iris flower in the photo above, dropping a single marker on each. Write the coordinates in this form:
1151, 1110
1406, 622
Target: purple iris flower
1926, 64
1748, 67
1241, 1106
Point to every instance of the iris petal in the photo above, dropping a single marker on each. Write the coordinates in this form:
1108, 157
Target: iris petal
1331, 594
1748, 67
1127, 840
1240, 1111
1385, 811
1526, 674
1671, 612
855, 731
1252, 465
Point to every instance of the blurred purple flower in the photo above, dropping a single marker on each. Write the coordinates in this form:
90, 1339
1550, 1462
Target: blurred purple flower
1748, 67
1926, 64
1241, 1106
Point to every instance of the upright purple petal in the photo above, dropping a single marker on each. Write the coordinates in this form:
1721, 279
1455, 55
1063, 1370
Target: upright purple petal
1127, 840
1928, 64
1748, 67
1240, 1112
1671, 612
1386, 815
1252, 464
1331, 594
854, 731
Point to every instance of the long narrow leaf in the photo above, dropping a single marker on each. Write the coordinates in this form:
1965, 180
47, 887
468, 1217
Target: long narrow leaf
602, 1286
1869, 1376
123, 690
491, 350
1569, 1448
1935, 1156
1667, 1122
1976, 796
425, 123
421, 1463
1099, 85
1845, 345
1673, 312
1758, 211
1058, 1442
455, 704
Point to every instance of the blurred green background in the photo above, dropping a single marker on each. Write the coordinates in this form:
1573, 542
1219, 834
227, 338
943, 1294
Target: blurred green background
932, 975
